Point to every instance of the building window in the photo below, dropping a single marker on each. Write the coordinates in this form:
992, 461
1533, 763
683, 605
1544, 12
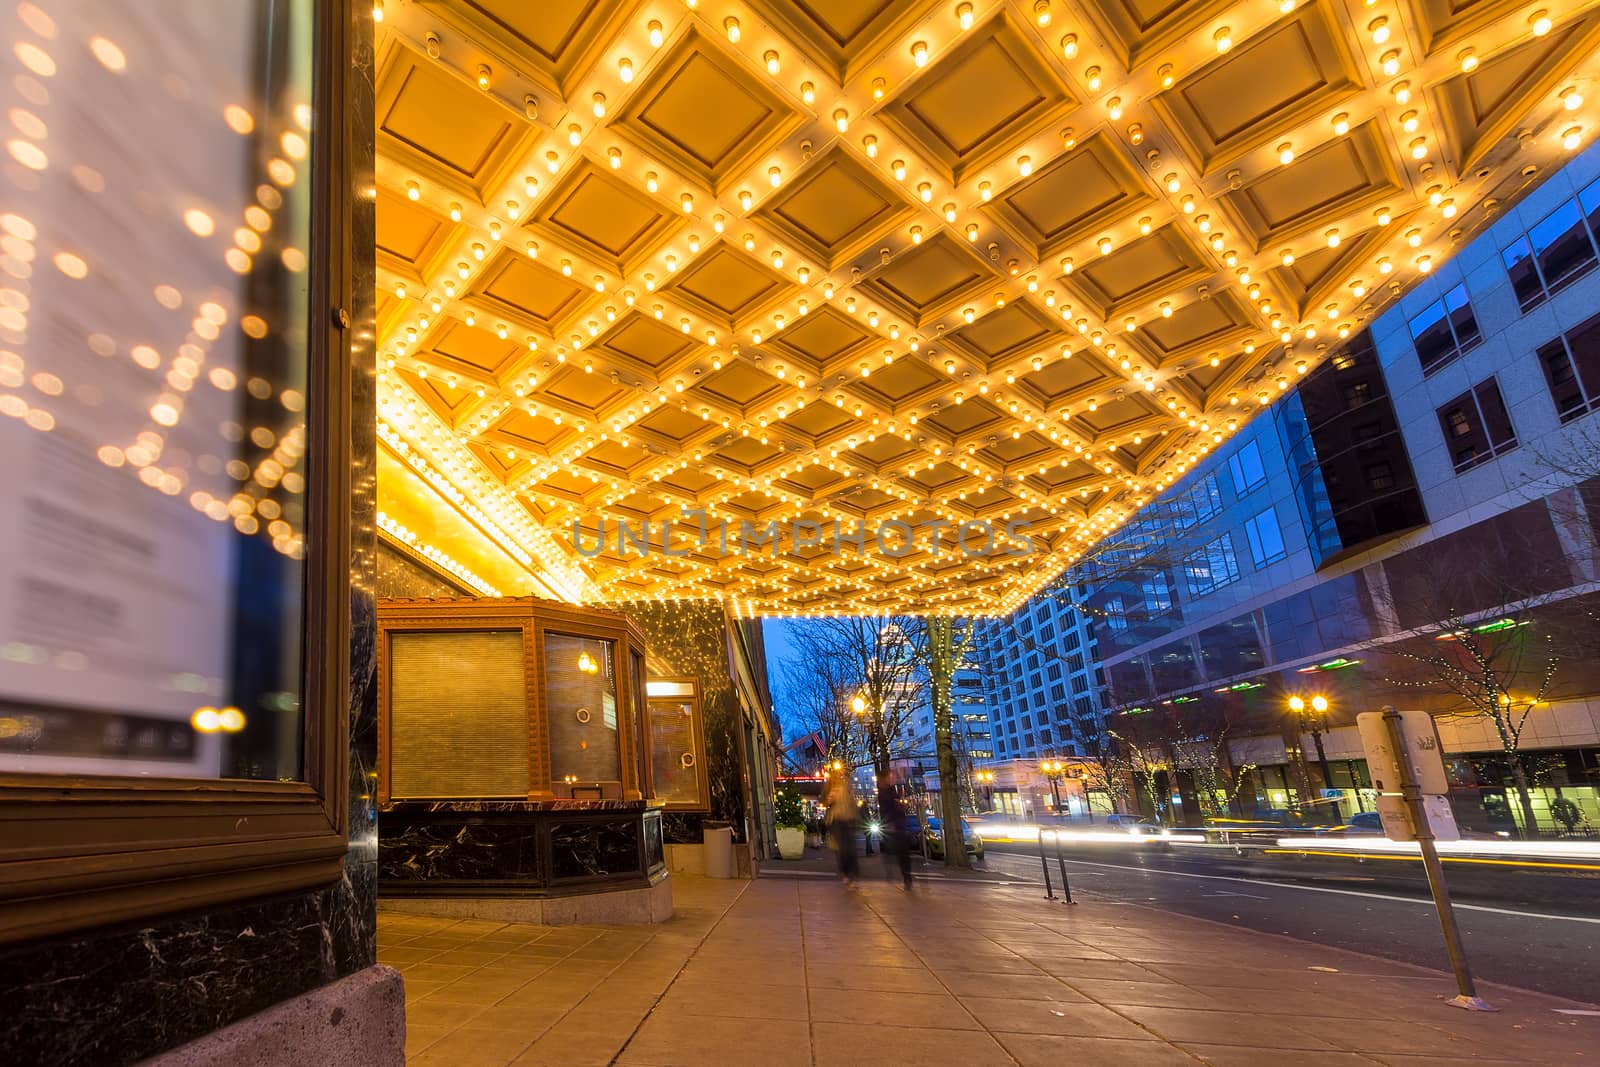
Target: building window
1266, 539
1556, 252
1198, 504
1379, 475
1476, 426
1445, 329
1571, 365
1212, 567
1245, 465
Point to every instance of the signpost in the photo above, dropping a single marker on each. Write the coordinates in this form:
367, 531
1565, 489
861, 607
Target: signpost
1407, 768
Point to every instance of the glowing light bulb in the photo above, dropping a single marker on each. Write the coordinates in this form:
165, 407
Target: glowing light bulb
1069, 46
1224, 39
771, 60
1571, 99
919, 53
774, 177
1540, 23
964, 16
731, 24
1024, 166
625, 70
808, 92
413, 191
1380, 30
1572, 138
1105, 246
841, 120
1341, 124
1390, 64
599, 105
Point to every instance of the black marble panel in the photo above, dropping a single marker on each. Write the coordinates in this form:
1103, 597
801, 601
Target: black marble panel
683, 827
594, 848
120, 994
654, 853
400, 575
471, 850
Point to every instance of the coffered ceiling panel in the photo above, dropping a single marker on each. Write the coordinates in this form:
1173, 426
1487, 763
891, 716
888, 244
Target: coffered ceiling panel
727, 285
931, 279
835, 208
1073, 198
1341, 177
841, 35
1019, 329
527, 291
924, 261
1481, 107
603, 216
1164, 261
440, 127
1212, 323
1262, 89
704, 110
968, 108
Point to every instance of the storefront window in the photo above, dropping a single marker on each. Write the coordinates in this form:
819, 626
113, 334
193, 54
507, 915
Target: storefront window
676, 751
154, 310
581, 703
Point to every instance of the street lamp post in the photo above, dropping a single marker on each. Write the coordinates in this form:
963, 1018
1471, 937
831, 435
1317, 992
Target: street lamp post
1313, 723
1052, 769
987, 779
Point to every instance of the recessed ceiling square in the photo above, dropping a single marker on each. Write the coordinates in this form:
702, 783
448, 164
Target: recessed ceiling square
974, 103
1341, 176
727, 285
597, 212
526, 290
1272, 83
1158, 263
929, 279
705, 111
821, 340
1018, 329
646, 343
835, 208
1072, 198
740, 387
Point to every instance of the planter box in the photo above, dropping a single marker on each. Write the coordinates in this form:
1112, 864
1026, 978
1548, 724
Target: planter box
791, 842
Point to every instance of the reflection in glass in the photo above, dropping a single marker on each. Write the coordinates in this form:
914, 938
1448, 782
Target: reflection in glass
676, 771
581, 705
154, 233
458, 717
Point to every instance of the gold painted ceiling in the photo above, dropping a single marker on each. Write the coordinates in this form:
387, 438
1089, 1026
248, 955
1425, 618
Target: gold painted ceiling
900, 266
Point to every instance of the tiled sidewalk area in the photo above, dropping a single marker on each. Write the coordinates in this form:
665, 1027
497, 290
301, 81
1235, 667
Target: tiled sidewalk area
784, 972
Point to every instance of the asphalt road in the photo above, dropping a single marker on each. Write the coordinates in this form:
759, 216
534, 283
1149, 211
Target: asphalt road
1521, 926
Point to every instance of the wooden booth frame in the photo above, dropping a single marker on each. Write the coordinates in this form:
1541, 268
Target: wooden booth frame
698, 741
82, 851
536, 618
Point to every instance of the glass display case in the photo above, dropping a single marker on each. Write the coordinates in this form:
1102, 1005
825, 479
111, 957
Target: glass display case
676, 745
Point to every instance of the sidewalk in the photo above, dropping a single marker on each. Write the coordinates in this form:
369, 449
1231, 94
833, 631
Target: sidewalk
792, 971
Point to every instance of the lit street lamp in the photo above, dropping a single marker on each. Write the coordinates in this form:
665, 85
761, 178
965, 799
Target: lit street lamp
1313, 722
1053, 770
987, 779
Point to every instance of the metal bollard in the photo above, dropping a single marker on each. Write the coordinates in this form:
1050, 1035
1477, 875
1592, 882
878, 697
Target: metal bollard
1045, 865
1066, 890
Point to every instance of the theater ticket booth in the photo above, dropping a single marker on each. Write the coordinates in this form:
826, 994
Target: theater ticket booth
525, 761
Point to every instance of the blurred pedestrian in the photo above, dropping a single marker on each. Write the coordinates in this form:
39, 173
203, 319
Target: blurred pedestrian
896, 829
842, 814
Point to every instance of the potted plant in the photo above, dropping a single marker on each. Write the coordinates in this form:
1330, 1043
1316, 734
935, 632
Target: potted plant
791, 820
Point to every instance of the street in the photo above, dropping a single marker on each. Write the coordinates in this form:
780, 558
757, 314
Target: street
1523, 927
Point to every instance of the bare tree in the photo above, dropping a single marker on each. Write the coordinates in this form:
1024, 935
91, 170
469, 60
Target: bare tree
818, 701
1145, 760
874, 664
1111, 772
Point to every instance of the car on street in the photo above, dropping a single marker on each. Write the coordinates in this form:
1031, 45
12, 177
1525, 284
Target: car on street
931, 832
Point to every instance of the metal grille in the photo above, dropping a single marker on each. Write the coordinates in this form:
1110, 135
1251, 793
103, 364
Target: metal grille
458, 715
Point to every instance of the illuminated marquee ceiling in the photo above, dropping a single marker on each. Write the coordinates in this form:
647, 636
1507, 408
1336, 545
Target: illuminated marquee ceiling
873, 260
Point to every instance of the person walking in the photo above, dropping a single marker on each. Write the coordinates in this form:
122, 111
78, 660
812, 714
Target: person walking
842, 825
896, 831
